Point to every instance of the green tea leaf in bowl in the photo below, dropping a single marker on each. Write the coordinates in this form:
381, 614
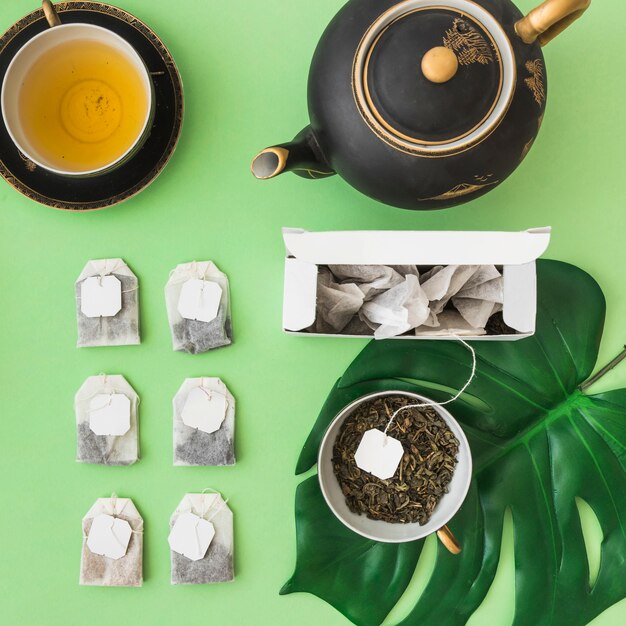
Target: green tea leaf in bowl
423, 475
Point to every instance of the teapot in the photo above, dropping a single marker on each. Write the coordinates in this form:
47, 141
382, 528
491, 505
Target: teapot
424, 104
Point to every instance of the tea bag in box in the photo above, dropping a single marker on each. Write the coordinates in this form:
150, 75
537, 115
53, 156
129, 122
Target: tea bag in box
201, 540
397, 310
481, 296
107, 306
372, 279
336, 303
198, 307
112, 554
106, 421
204, 423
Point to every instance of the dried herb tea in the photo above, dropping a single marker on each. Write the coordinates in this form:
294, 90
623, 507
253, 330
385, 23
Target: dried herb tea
497, 326
424, 473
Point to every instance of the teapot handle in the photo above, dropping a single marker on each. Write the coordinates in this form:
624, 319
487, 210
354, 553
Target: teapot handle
549, 19
50, 12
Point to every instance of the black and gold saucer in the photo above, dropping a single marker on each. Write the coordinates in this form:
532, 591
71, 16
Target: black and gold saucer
109, 188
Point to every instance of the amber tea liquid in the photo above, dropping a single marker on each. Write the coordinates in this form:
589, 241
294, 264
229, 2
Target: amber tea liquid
83, 104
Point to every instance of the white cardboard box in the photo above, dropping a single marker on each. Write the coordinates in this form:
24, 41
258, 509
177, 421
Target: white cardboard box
516, 252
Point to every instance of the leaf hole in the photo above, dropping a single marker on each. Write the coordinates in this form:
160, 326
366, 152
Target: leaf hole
593, 536
498, 607
419, 580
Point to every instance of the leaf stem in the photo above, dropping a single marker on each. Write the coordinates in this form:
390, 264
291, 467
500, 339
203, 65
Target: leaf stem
607, 368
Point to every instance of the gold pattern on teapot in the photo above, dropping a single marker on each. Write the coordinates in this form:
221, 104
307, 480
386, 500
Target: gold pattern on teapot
526, 149
536, 82
467, 43
464, 189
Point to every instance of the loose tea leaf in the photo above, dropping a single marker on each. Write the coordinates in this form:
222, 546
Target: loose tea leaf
424, 473
497, 326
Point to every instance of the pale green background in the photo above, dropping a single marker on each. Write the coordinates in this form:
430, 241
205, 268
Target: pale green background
244, 65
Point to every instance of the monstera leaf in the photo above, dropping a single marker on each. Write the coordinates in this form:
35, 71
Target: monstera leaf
538, 443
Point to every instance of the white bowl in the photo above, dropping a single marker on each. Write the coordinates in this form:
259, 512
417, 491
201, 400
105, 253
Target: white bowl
386, 531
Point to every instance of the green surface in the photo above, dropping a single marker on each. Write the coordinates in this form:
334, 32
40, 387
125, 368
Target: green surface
526, 420
245, 66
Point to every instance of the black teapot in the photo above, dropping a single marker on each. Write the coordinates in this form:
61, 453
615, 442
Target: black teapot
424, 104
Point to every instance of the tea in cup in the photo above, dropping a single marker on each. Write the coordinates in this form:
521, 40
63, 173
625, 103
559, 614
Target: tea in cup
77, 99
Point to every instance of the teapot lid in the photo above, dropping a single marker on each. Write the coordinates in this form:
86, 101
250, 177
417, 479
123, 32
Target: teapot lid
434, 78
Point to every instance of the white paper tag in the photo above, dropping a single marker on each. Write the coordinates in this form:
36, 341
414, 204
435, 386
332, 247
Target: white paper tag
379, 454
109, 536
101, 296
109, 414
204, 409
199, 300
191, 536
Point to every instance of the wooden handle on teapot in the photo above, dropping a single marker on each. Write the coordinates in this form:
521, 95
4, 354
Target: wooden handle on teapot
50, 13
549, 19
446, 536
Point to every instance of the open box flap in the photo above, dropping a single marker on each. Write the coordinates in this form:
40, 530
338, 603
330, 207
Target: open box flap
520, 297
299, 308
396, 247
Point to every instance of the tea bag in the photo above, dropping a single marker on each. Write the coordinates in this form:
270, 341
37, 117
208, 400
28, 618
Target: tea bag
336, 303
371, 279
107, 421
112, 554
474, 290
450, 322
201, 540
405, 270
440, 301
107, 306
481, 296
442, 285
399, 309
198, 307
204, 423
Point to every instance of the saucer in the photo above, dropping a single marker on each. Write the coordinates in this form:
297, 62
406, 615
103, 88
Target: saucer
83, 194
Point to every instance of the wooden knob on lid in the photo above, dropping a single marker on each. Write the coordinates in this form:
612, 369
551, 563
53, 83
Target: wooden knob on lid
439, 64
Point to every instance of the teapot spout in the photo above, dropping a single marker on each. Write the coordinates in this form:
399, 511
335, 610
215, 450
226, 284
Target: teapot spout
302, 156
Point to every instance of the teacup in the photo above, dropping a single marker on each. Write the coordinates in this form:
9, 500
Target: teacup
77, 99
387, 532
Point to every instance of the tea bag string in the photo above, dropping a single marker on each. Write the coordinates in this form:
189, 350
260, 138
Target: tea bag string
207, 392
192, 270
106, 389
219, 497
116, 513
113, 502
435, 404
195, 270
105, 271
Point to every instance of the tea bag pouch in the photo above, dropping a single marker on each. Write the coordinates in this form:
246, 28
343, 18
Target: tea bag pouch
201, 540
112, 554
107, 430
204, 423
443, 301
198, 307
107, 307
